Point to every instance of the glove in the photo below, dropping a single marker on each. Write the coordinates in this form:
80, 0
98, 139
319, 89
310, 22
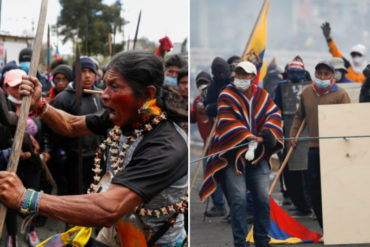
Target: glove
326, 30
269, 140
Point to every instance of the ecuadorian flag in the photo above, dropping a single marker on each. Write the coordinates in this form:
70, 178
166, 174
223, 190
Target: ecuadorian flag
257, 47
286, 230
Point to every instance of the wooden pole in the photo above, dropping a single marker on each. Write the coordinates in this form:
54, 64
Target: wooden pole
208, 141
286, 159
253, 30
26, 103
78, 82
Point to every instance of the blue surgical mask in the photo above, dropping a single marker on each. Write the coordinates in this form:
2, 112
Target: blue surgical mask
322, 83
170, 80
25, 66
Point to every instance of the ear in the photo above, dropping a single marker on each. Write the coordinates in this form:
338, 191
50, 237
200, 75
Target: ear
150, 92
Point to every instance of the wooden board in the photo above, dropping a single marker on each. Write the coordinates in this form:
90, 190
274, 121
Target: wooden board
345, 173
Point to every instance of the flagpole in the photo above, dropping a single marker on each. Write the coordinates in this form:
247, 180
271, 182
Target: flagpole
273, 185
253, 30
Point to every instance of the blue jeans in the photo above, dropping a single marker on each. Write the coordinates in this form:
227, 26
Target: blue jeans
235, 188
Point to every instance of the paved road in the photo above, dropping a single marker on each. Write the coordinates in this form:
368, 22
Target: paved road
216, 231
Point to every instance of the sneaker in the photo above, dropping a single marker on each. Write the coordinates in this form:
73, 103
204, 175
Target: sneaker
12, 241
215, 212
32, 239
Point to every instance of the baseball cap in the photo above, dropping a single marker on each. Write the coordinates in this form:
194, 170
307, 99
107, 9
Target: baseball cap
14, 77
248, 67
325, 63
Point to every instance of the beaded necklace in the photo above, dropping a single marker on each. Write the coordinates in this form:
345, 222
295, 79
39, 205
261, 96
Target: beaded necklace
113, 142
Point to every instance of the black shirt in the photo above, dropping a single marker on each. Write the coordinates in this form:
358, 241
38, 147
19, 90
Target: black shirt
158, 161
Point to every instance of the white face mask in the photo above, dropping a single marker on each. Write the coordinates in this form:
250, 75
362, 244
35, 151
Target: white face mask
242, 84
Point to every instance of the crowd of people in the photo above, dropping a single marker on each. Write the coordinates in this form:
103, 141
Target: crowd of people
130, 131
242, 112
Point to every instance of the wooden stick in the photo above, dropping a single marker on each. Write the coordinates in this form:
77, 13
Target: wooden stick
26, 103
208, 141
253, 30
286, 159
92, 91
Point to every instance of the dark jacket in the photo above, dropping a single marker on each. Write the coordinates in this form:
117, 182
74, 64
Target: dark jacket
90, 103
221, 77
365, 91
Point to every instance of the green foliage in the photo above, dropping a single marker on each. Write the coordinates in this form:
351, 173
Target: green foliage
89, 22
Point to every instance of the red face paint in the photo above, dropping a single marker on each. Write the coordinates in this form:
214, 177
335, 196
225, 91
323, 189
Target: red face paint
120, 99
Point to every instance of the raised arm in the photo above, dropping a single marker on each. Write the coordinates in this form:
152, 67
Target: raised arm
59, 121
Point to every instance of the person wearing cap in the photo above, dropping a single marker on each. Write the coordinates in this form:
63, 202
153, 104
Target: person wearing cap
24, 60
28, 171
358, 56
292, 181
340, 70
246, 113
62, 75
147, 157
322, 91
90, 103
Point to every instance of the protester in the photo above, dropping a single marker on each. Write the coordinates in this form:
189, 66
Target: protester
62, 75
29, 173
90, 103
322, 91
358, 56
197, 112
182, 84
147, 156
173, 65
340, 70
292, 182
245, 113
221, 77
24, 60
365, 89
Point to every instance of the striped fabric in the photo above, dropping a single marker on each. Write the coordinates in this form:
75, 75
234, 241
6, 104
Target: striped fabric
238, 118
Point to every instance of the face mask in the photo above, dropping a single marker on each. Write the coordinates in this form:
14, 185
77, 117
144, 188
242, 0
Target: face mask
14, 100
295, 77
338, 75
358, 60
322, 83
25, 66
170, 80
242, 84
